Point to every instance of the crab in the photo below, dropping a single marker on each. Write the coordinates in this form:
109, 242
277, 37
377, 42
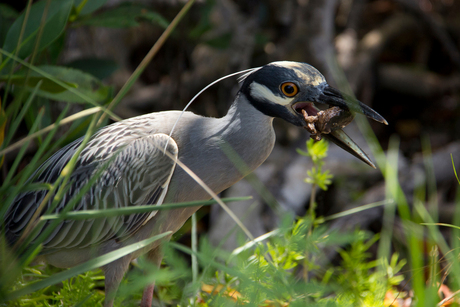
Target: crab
326, 121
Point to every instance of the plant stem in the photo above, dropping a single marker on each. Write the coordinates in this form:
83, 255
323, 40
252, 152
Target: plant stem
311, 213
311, 209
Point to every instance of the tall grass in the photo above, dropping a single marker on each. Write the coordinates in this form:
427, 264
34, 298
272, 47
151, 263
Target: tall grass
266, 271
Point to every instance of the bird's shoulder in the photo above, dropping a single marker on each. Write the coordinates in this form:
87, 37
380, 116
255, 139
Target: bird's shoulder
113, 137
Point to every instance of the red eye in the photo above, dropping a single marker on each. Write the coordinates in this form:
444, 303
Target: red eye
289, 89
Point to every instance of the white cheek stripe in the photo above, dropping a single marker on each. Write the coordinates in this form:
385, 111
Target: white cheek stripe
262, 92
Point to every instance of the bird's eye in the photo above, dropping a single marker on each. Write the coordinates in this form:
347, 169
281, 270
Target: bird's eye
289, 89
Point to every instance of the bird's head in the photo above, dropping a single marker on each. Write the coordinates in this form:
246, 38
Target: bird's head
284, 89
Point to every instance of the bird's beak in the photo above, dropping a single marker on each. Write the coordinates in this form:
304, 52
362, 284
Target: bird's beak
341, 139
332, 97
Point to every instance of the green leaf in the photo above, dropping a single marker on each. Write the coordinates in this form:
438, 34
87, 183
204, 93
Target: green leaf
316, 176
53, 51
301, 152
57, 14
7, 16
324, 179
47, 85
88, 6
154, 17
124, 16
320, 148
317, 150
100, 68
85, 83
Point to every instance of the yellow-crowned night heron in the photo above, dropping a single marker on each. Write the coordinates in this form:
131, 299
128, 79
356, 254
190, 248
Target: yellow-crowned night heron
142, 174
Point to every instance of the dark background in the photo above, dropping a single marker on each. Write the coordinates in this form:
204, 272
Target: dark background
400, 57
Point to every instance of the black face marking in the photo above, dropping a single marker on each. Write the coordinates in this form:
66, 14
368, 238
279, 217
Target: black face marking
271, 76
276, 110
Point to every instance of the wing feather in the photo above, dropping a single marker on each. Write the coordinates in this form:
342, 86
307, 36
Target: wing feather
138, 174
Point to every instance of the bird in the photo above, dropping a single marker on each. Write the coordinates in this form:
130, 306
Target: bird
135, 171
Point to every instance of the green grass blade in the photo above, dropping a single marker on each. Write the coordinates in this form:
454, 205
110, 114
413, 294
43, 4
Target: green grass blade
453, 166
20, 37
359, 209
14, 126
391, 170
430, 177
31, 167
18, 119
441, 224
93, 214
194, 249
455, 235
257, 240
14, 166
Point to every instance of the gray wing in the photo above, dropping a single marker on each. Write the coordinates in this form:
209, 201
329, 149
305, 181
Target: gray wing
137, 173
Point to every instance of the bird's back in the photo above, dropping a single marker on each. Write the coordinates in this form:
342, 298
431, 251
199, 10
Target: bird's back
126, 148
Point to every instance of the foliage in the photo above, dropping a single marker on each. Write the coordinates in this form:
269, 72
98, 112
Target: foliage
284, 270
125, 15
267, 275
317, 151
363, 282
81, 289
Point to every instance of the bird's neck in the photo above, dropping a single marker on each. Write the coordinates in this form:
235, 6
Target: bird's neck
221, 151
242, 111
249, 132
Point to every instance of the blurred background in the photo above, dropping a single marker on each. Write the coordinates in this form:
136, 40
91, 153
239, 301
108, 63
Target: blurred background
401, 57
